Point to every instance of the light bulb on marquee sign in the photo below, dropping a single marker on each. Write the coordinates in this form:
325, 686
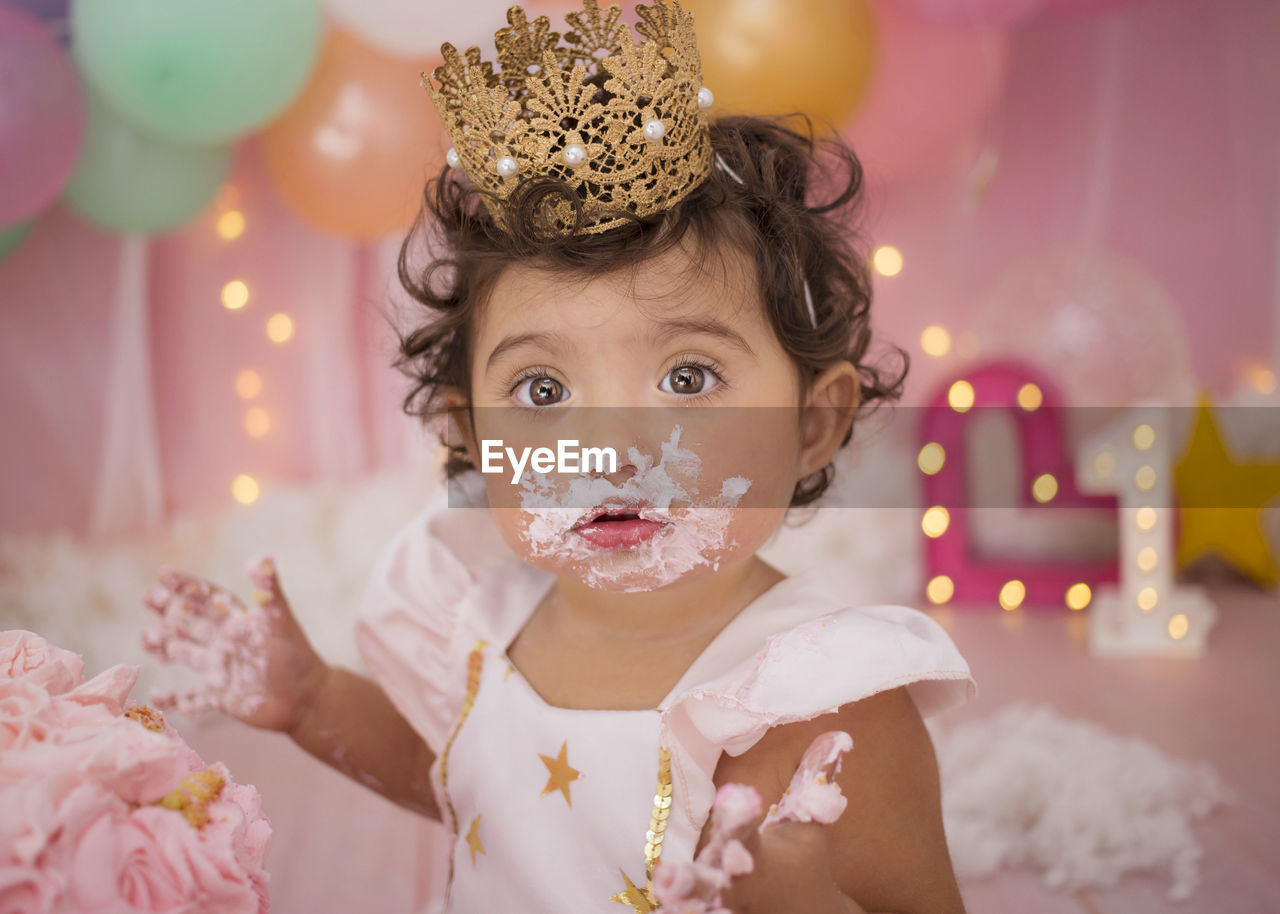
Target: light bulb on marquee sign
1146, 614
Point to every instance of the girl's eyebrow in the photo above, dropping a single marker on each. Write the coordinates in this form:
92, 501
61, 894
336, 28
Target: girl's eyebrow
707, 326
557, 343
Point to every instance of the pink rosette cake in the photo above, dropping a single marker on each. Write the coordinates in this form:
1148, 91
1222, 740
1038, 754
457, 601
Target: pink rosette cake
103, 807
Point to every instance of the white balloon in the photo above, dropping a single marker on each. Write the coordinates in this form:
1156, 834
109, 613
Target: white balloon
413, 28
1097, 322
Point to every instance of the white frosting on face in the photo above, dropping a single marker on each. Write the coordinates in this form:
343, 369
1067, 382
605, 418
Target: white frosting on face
692, 537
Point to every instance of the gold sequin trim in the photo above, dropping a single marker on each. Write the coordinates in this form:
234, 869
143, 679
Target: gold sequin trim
475, 663
643, 900
661, 810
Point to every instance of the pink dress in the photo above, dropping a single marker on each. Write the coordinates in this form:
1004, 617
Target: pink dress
563, 810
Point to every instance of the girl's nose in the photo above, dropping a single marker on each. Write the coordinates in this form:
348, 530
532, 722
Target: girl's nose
620, 476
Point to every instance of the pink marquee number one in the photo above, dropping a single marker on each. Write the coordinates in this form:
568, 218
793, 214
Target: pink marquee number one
955, 569
1148, 614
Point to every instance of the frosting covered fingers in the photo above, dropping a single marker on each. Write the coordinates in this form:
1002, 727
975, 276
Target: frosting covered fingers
813, 796
211, 631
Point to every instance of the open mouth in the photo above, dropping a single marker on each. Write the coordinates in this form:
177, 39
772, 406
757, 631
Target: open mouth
618, 527
613, 518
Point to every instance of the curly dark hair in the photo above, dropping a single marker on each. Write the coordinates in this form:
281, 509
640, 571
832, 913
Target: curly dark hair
765, 212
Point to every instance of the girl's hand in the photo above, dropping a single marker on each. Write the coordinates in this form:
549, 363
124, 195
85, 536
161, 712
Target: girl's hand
770, 864
258, 665
792, 872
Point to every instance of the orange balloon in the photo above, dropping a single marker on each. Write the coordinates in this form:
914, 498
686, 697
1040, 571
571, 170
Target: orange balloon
352, 154
783, 56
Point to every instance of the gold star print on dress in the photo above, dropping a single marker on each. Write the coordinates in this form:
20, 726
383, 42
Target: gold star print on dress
562, 774
473, 839
642, 901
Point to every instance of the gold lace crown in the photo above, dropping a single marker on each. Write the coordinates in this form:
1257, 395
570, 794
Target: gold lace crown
624, 124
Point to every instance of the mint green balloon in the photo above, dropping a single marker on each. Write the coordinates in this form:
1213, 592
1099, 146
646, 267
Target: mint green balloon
197, 71
12, 236
128, 181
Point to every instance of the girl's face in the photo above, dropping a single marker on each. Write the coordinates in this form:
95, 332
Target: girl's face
672, 365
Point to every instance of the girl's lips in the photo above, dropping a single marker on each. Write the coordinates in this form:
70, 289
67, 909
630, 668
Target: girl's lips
617, 534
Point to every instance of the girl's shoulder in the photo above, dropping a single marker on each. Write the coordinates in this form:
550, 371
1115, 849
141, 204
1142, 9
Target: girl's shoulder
802, 651
802, 656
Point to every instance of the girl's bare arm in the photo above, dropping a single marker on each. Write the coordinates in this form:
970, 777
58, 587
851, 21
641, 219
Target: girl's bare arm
261, 669
351, 725
886, 854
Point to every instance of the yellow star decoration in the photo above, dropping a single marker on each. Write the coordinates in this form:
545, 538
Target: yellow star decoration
1206, 476
642, 901
507, 674
562, 775
473, 839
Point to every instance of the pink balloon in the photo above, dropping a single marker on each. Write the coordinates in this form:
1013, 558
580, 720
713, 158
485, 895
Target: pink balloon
930, 96
968, 13
42, 116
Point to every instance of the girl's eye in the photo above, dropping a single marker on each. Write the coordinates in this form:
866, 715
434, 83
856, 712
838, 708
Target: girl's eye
690, 379
540, 391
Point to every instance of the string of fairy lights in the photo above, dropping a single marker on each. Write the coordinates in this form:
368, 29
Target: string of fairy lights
279, 328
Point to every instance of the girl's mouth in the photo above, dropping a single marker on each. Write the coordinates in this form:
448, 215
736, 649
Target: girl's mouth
617, 528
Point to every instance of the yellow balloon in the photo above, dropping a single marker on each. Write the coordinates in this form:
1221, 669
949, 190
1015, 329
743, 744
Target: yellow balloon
783, 56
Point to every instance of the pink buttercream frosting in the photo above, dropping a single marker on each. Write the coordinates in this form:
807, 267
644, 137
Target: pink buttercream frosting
92, 817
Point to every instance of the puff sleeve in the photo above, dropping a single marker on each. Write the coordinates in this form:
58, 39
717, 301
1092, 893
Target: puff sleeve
804, 672
412, 630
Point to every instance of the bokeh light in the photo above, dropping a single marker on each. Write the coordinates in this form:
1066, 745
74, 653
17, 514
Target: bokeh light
1044, 488
960, 396
235, 295
1012, 594
887, 260
935, 521
279, 328
1078, 596
245, 489
231, 225
931, 458
935, 341
940, 589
